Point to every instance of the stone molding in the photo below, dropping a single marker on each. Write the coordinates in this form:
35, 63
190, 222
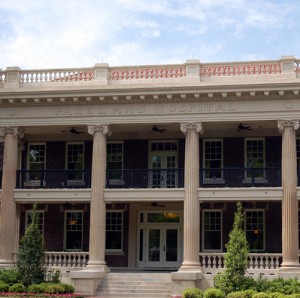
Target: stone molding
283, 124
104, 129
189, 126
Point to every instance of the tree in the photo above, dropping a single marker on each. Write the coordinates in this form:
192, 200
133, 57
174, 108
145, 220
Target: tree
31, 256
236, 257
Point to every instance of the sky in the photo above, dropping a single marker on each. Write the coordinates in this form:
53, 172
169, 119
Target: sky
40, 34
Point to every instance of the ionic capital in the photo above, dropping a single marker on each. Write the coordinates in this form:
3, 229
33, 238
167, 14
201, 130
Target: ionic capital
103, 129
190, 126
12, 130
283, 124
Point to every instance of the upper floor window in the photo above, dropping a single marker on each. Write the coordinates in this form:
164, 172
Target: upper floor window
114, 230
40, 219
212, 230
73, 230
36, 163
213, 161
75, 162
114, 159
255, 229
255, 158
298, 152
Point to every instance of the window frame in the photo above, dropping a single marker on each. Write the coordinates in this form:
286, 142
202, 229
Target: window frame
119, 250
43, 219
28, 153
264, 228
203, 230
65, 229
119, 180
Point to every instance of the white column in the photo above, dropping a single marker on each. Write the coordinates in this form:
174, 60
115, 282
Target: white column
98, 208
8, 212
191, 221
290, 249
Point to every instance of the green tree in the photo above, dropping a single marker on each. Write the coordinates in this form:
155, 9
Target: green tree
31, 255
236, 257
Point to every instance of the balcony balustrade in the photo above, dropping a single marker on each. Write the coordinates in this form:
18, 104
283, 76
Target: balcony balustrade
151, 178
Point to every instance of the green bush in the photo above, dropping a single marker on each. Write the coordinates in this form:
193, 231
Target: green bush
3, 286
17, 288
68, 288
261, 295
53, 276
36, 288
295, 295
52, 288
237, 294
9, 276
192, 293
214, 293
277, 295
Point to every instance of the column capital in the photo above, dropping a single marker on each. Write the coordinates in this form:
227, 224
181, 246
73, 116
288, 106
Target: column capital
283, 124
12, 130
189, 126
103, 128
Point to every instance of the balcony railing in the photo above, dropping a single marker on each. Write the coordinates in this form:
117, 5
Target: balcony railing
53, 179
240, 177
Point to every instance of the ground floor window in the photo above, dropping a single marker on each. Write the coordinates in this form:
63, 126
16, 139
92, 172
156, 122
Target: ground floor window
73, 230
212, 230
114, 230
254, 227
40, 219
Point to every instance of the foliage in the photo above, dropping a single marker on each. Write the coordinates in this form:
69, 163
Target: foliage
36, 288
68, 288
30, 262
236, 257
192, 293
17, 288
261, 295
9, 276
277, 295
53, 275
214, 293
3, 286
54, 289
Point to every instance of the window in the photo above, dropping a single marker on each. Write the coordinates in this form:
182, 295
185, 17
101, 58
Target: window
73, 230
75, 163
212, 230
40, 219
255, 159
298, 153
115, 161
114, 230
36, 162
254, 226
213, 161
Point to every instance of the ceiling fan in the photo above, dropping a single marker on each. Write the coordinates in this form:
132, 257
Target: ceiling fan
73, 130
155, 204
157, 129
243, 127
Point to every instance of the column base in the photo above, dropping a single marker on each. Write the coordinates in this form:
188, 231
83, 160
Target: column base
190, 266
98, 266
7, 264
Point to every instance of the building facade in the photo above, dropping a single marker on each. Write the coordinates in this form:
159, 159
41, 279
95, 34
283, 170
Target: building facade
140, 167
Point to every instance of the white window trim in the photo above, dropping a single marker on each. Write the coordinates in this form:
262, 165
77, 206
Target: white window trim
202, 233
33, 183
65, 230
256, 179
37, 211
212, 180
264, 230
117, 181
121, 250
74, 182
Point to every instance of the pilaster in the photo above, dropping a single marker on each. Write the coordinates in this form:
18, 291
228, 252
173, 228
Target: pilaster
8, 211
98, 208
290, 250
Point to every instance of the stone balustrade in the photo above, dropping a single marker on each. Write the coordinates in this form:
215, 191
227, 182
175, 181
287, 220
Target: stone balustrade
66, 259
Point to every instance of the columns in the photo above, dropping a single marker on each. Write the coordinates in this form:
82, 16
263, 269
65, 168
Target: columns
290, 259
8, 212
98, 210
191, 224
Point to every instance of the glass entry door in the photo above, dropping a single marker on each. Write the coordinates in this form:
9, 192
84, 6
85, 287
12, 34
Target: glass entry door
162, 246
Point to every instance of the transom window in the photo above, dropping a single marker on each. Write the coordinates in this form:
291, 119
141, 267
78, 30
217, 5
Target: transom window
40, 219
114, 158
73, 230
212, 230
255, 229
255, 157
75, 161
114, 230
163, 146
213, 160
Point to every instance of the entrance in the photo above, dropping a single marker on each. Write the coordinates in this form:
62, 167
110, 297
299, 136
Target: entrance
160, 240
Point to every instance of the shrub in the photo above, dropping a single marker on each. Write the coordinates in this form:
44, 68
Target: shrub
9, 276
277, 295
36, 288
237, 294
54, 289
261, 295
214, 293
68, 288
17, 288
295, 295
53, 276
3, 286
192, 293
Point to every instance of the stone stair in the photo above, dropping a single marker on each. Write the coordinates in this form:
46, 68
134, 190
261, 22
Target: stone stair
139, 284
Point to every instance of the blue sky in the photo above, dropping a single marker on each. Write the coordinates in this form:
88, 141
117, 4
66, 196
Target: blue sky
75, 33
